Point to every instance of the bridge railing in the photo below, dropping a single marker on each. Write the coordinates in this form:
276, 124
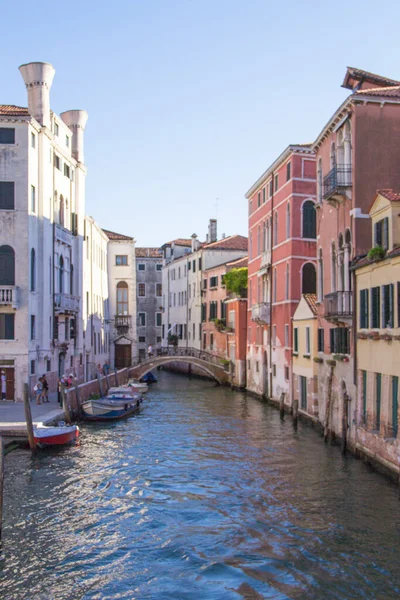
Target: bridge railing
194, 352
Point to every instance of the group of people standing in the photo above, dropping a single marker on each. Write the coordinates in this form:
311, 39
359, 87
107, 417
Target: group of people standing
41, 390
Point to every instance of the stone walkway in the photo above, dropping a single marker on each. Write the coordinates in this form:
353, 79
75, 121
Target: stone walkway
12, 415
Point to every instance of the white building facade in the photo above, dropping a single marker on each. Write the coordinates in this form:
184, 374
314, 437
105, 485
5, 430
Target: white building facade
42, 207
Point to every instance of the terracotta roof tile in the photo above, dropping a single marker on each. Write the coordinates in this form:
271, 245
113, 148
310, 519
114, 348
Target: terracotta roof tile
311, 300
148, 253
238, 263
233, 242
390, 195
387, 92
179, 242
13, 111
360, 74
116, 236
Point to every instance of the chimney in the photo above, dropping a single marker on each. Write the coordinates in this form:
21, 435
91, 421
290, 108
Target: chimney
38, 77
76, 121
212, 231
195, 243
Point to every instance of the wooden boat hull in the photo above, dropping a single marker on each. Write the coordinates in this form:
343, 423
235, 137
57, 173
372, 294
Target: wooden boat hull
55, 436
93, 410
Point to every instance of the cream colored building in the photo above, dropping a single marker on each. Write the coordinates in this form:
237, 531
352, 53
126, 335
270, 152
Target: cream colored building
305, 355
378, 335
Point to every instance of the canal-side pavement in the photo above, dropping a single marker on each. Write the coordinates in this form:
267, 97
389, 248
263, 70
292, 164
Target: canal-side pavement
12, 416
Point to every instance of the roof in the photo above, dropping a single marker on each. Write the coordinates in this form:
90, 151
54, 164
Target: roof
13, 111
148, 253
282, 157
179, 242
116, 236
390, 195
359, 75
239, 263
387, 92
311, 300
232, 242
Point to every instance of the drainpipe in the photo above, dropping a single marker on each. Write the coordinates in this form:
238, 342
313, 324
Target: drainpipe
271, 285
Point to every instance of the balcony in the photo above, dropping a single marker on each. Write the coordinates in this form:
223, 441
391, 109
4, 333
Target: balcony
62, 235
338, 306
9, 294
265, 263
337, 182
122, 321
261, 313
65, 303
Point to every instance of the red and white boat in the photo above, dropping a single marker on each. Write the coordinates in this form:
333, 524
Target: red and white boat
55, 436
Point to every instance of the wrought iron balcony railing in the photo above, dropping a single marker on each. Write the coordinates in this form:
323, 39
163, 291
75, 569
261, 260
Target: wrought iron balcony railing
122, 321
338, 305
66, 303
338, 179
261, 313
9, 294
265, 259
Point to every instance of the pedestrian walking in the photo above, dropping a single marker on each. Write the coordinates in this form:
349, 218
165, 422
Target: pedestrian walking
45, 390
150, 351
3, 385
38, 390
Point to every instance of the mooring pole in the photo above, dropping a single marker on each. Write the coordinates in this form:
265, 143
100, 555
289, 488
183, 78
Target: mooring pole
282, 406
295, 412
116, 378
28, 419
65, 404
1, 482
78, 400
345, 419
100, 386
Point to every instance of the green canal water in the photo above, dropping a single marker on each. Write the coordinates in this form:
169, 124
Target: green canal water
204, 495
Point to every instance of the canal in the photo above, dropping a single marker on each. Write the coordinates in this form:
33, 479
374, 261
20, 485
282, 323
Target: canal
204, 495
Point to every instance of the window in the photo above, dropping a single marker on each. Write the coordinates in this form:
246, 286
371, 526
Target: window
158, 289
274, 370
56, 128
141, 267
67, 171
33, 367
158, 319
321, 339
158, 339
33, 327
258, 199
364, 313
286, 335
204, 340
223, 309
55, 330
66, 329
270, 188
142, 339
213, 282
159, 267
142, 319
288, 168
61, 275
378, 391
309, 279
263, 195
287, 282
395, 404
340, 340
381, 233
194, 266
320, 276
275, 232
61, 213
141, 290
204, 284
7, 135
203, 312
309, 220
375, 307
213, 311
7, 195
122, 298
33, 140
194, 331
257, 366
275, 287
296, 340
274, 335
67, 141
33, 198
320, 184
57, 162
7, 265
387, 305
276, 182
48, 365
6, 326
200, 263
286, 371
308, 342
33, 270
212, 341
288, 220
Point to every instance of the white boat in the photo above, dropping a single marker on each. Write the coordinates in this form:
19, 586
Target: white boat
107, 409
137, 386
122, 391
55, 436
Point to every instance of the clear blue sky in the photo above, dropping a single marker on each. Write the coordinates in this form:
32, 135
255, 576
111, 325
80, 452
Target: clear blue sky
188, 100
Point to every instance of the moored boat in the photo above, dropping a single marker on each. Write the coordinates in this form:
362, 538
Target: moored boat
110, 409
55, 436
149, 378
137, 386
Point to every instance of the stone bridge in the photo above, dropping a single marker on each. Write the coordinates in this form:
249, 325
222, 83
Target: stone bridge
215, 367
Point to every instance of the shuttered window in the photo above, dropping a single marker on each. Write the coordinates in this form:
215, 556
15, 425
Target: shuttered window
223, 309
203, 311
340, 340
387, 305
6, 326
213, 310
378, 391
7, 195
364, 313
375, 307
382, 233
296, 340
321, 339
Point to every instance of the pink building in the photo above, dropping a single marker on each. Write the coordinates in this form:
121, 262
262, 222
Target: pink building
282, 251
357, 152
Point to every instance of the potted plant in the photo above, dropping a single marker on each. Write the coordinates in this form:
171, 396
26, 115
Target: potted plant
386, 336
331, 362
376, 253
318, 359
362, 335
373, 335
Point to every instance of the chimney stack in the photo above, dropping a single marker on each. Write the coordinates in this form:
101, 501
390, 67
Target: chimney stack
76, 121
38, 77
195, 244
212, 231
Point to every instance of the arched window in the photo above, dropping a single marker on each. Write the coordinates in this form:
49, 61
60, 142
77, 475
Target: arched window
258, 240
320, 276
333, 267
267, 235
275, 234
333, 155
7, 265
61, 275
288, 220
320, 182
122, 298
61, 212
33, 270
309, 279
309, 220
71, 280
287, 280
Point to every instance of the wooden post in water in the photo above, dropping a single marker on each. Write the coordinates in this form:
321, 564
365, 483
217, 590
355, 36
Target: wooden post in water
327, 428
28, 419
99, 382
295, 412
78, 401
116, 377
282, 406
345, 419
65, 404
1, 482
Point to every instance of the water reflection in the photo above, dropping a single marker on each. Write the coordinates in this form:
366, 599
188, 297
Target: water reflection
206, 494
